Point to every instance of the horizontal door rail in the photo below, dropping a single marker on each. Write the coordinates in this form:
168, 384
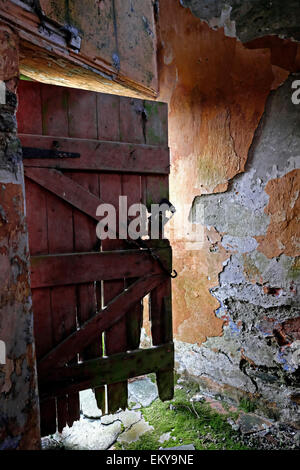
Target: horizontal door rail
97, 155
79, 268
106, 370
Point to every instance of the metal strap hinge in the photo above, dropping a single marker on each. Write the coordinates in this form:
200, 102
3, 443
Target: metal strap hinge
31, 152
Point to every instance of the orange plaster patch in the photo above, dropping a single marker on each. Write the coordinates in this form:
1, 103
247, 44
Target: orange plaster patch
283, 234
193, 305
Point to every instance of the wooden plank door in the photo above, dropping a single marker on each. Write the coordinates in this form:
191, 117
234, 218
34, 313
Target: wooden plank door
82, 149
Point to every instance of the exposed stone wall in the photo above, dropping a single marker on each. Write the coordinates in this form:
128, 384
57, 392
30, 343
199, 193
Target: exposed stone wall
234, 138
249, 19
19, 416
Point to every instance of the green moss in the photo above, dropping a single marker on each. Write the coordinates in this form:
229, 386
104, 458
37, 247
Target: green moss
152, 377
176, 377
152, 138
188, 423
294, 271
151, 107
247, 405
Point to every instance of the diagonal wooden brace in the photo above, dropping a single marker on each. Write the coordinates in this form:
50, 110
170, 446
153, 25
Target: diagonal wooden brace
102, 320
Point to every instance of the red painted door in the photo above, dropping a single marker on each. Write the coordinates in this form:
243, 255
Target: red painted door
82, 149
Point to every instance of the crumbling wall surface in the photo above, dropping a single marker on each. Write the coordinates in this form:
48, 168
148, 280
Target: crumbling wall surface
249, 19
258, 288
234, 139
19, 415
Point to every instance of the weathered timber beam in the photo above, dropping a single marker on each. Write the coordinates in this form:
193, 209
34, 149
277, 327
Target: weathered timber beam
65, 188
100, 322
78, 268
106, 370
97, 155
47, 55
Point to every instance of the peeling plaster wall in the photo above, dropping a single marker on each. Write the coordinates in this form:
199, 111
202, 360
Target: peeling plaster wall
235, 148
19, 415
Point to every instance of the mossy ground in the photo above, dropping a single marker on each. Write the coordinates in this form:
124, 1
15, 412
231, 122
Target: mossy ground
188, 422
247, 405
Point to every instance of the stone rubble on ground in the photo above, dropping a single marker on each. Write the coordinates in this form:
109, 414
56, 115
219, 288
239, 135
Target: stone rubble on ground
165, 437
127, 417
250, 423
86, 434
88, 405
233, 424
277, 437
142, 392
178, 387
96, 432
198, 398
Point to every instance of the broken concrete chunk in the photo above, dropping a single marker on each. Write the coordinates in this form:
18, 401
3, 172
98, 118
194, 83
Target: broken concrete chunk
198, 397
250, 423
127, 417
88, 405
142, 391
165, 437
87, 435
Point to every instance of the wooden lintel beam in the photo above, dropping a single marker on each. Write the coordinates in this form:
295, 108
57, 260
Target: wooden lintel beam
47, 55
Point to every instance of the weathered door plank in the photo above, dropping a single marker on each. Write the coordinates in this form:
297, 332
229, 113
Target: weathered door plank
63, 298
134, 319
38, 244
115, 336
